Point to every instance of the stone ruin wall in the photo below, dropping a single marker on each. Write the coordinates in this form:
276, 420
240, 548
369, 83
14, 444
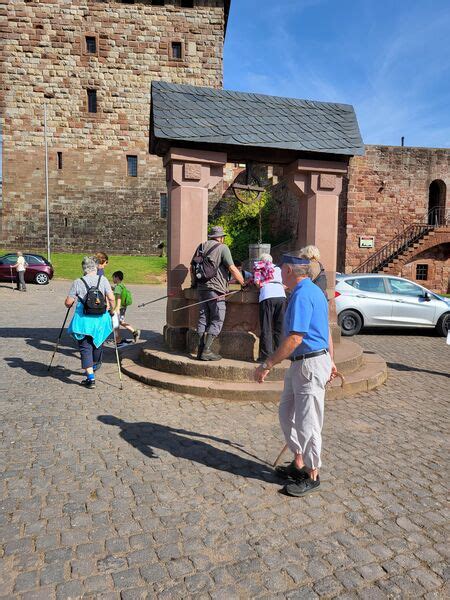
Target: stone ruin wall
93, 202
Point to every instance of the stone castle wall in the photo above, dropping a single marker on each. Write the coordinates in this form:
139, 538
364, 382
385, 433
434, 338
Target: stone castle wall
387, 190
45, 60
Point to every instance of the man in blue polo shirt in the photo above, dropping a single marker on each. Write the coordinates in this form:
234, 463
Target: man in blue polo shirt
307, 343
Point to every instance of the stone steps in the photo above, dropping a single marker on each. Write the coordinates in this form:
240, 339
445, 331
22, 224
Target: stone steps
232, 381
348, 357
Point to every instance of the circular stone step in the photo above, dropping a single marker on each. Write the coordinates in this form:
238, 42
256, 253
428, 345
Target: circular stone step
371, 374
348, 358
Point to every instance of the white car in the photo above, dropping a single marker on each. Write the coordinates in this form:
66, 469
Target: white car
371, 300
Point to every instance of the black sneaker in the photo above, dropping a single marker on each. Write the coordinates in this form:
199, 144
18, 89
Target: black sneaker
301, 488
88, 383
292, 472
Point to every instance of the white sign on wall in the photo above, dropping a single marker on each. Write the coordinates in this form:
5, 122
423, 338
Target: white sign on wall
366, 241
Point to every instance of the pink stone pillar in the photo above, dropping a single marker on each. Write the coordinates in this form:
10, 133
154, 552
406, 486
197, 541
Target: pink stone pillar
317, 185
190, 174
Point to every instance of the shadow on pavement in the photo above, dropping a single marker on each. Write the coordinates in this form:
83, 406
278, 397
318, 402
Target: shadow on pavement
413, 331
38, 369
402, 367
146, 437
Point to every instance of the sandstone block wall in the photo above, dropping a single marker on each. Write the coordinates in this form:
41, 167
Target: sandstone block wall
44, 59
387, 190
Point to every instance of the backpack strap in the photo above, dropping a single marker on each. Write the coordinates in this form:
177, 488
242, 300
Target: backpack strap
98, 282
211, 249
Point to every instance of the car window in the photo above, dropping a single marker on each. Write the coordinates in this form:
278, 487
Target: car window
33, 260
405, 288
9, 259
368, 284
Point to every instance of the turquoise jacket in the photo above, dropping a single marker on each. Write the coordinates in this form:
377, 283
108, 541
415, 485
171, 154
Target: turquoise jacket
99, 327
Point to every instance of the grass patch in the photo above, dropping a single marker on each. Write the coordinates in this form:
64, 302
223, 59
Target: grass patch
136, 269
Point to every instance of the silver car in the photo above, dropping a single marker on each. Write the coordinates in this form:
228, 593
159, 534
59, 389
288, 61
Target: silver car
386, 301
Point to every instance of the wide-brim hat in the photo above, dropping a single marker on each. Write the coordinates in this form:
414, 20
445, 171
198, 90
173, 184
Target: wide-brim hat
216, 232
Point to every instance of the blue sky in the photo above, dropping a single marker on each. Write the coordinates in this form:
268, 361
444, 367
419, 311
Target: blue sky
389, 58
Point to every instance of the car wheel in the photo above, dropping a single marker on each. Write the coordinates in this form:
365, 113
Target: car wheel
350, 322
443, 325
41, 278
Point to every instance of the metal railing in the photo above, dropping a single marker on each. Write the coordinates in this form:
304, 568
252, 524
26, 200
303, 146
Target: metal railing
435, 218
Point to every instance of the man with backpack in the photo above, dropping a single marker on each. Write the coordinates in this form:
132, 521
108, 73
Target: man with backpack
210, 268
91, 324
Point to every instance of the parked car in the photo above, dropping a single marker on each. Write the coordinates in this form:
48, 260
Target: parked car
371, 300
39, 269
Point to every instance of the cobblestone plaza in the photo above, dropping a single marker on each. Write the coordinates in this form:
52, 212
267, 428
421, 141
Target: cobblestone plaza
140, 493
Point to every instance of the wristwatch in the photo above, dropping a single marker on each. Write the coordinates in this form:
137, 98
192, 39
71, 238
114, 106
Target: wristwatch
265, 366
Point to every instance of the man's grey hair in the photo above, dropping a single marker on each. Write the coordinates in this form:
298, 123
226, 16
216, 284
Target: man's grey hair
302, 270
89, 265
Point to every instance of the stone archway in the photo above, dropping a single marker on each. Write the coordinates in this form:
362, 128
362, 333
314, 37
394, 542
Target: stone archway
436, 202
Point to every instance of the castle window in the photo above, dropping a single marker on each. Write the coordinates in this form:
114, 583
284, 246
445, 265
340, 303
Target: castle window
176, 49
91, 44
65, 222
132, 165
163, 205
59, 162
92, 101
127, 1
187, 3
421, 272
157, 2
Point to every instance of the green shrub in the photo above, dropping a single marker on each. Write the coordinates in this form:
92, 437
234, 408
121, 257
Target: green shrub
241, 223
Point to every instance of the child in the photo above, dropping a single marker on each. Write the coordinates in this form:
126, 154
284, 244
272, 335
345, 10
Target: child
102, 261
123, 299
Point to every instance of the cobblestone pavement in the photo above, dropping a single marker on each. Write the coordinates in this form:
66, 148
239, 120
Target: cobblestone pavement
140, 493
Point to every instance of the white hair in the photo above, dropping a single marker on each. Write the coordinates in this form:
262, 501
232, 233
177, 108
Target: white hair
89, 265
266, 257
311, 252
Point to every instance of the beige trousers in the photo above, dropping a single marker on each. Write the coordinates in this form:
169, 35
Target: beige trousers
302, 407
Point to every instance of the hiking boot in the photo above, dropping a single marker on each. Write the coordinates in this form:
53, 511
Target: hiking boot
207, 353
136, 335
292, 472
88, 383
201, 345
301, 488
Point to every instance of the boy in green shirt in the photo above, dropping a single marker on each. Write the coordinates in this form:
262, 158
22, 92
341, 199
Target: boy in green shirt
123, 299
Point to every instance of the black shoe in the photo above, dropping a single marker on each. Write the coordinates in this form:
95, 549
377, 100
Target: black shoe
88, 383
201, 345
301, 488
292, 472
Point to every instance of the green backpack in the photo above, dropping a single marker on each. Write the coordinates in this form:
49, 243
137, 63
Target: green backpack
126, 298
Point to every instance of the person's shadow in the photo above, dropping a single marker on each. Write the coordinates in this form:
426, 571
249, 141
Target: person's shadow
146, 437
37, 369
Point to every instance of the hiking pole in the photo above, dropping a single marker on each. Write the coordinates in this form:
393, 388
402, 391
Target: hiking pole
12, 278
204, 301
59, 338
151, 301
117, 355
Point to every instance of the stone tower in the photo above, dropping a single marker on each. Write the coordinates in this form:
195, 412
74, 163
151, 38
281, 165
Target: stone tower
92, 62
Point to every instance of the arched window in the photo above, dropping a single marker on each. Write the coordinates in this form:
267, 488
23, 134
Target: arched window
436, 202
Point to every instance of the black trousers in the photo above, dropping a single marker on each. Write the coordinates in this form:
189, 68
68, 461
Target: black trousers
271, 316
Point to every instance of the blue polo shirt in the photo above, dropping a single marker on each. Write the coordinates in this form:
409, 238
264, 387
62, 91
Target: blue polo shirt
307, 314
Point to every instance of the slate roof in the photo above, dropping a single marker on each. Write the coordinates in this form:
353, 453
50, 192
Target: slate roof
186, 113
